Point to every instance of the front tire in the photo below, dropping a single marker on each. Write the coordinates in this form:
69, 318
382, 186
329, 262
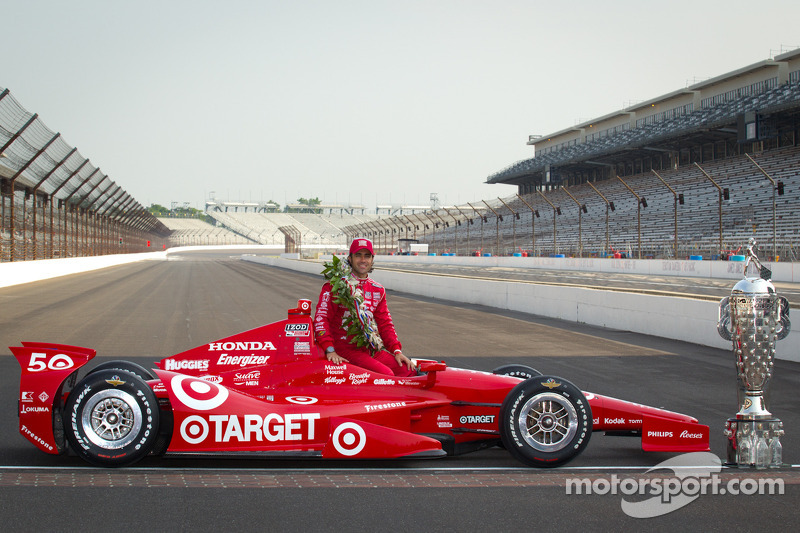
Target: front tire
545, 421
111, 418
518, 371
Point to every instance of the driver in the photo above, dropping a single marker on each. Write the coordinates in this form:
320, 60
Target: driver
330, 319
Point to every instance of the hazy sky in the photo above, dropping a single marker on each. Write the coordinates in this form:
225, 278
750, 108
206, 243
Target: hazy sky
361, 101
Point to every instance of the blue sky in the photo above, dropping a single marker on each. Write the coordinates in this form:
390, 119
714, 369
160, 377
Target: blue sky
353, 101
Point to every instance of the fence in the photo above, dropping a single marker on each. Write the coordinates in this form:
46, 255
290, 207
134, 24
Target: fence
55, 203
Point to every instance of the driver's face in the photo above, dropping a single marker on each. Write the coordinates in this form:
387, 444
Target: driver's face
361, 263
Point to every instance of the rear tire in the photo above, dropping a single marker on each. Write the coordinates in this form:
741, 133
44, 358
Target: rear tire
127, 366
545, 421
111, 418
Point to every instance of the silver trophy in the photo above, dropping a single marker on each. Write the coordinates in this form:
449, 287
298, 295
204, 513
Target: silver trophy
754, 318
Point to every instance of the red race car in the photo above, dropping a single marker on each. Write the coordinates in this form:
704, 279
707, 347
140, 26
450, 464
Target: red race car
270, 392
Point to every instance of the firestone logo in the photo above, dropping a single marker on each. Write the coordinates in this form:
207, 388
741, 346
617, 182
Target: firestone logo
251, 346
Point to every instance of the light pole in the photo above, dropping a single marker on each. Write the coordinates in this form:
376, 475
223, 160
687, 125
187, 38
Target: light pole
609, 205
498, 219
581, 210
556, 210
534, 216
515, 217
721, 194
483, 221
640, 202
677, 199
456, 223
775, 187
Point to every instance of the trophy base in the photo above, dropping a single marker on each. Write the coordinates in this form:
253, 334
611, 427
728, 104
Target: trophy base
754, 443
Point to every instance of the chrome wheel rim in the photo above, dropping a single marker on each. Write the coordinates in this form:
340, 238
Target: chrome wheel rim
548, 422
112, 419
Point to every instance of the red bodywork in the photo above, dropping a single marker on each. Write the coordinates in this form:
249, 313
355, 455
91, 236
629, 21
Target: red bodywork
271, 392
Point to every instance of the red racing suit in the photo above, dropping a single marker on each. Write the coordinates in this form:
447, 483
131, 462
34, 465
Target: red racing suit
330, 331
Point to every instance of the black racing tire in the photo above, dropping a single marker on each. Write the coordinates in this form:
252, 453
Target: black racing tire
545, 422
127, 366
111, 418
518, 371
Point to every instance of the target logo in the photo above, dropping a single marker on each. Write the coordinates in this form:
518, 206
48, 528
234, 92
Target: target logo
305, 305
198, 394
194, 429
301, 400
349, 439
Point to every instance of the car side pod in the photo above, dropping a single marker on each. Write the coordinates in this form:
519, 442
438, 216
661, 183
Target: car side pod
46, 368
356, 439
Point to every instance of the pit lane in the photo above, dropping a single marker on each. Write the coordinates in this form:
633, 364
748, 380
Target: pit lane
147, 311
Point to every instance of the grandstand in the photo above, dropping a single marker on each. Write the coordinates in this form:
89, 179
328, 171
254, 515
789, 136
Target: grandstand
195, 232
695, 172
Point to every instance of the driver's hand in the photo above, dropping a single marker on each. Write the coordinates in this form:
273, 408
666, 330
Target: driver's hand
403, 360
334, 357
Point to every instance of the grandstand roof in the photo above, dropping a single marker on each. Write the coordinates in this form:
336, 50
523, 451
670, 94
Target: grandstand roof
706, 112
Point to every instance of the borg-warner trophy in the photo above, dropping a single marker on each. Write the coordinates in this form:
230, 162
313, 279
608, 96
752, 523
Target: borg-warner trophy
754, 318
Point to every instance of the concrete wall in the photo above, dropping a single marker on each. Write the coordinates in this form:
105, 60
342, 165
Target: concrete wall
682, 319
20, 272
789, 272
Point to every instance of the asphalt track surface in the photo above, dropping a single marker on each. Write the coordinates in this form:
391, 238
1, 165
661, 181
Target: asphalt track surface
149, 310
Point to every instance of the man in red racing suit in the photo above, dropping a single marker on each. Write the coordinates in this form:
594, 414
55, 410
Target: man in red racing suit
332, 336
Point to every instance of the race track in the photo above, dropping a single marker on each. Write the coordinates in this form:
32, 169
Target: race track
145, 311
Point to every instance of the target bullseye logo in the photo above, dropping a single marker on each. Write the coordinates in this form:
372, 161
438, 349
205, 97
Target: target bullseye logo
301, 400
194, 429
349, 438
305, 305
198, 394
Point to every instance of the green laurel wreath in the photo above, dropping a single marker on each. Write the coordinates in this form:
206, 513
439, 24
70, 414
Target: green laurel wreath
359, 323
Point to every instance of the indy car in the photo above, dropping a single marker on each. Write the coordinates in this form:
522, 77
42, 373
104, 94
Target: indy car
270, 392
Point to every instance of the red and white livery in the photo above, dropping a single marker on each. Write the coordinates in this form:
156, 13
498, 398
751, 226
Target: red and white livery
270, 392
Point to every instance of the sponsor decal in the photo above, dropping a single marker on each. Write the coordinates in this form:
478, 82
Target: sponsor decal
477, 419
444, 424
551, 383
302, 400
336, 370
302, 347
686, 435
188, 364
242, 360
297, 330
210, 378
57, 362
115, 381
44, 397
349, 439
36, 409
661, 434
381, 406
249, 428
613, 421
596, 421
335, 380
358, 379
248, 379
198, 394
382, 381
24, 429
250, 346
26, 396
